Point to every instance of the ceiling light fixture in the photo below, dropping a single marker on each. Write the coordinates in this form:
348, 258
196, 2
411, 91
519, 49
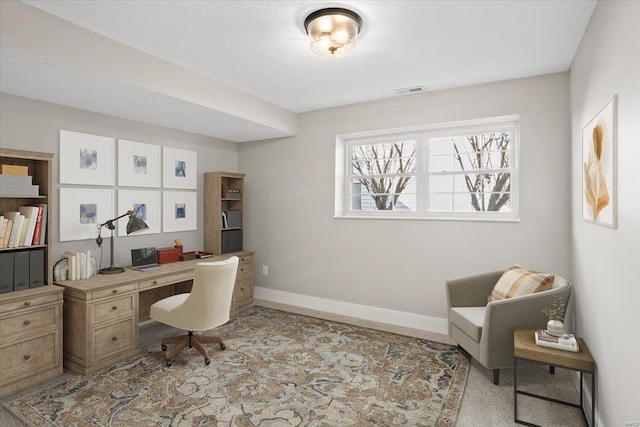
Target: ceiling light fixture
333, 31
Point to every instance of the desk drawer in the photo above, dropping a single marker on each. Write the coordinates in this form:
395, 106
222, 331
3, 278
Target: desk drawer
28, 357
112, 291
243, 289
244, 269
24, 323
113, 339
28, 302
114, 308
165, 280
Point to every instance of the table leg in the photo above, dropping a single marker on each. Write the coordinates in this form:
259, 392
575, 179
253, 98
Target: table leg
515, 389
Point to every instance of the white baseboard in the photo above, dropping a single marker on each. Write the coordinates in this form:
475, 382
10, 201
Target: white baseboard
373, 314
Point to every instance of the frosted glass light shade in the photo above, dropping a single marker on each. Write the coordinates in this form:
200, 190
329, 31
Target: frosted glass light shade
333, 31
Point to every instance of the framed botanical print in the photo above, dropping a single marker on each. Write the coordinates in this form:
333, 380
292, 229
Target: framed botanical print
599, 167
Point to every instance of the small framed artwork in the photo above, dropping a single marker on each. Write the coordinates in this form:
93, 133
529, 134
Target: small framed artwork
138, 164
179, 211
179, 168
145, 204
86, 159
82, 210
599, 167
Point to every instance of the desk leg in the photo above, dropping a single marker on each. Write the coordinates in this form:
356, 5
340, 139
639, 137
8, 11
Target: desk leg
593, 398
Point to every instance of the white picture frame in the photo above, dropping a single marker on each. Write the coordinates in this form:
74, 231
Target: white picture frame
599, 158
86, 159
179, 211
179, 168
82, 210
146, 206
138, 164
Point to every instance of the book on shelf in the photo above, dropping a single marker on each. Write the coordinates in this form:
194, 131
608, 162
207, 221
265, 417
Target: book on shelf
224, 220
43, 228
3, 229
565, 342
7, 232
16, 229
38, 226
30, 213
78, 264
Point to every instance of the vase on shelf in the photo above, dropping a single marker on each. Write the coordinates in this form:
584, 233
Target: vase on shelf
555, 328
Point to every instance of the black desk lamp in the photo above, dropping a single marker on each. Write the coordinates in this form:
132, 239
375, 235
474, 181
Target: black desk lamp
134, 225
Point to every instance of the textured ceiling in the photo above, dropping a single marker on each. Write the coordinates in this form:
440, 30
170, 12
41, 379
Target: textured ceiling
241, 70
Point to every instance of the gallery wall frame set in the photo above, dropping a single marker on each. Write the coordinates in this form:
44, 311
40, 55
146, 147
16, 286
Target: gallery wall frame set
89, 160
599, 162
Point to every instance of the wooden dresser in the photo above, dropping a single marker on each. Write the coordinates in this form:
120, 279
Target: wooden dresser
31, 337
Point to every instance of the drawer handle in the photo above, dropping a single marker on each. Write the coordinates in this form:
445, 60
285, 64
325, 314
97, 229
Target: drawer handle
27, 303
115, 307
26, 357
114, 338
155, 282
242, 269
26, 323
242, 289
115, 291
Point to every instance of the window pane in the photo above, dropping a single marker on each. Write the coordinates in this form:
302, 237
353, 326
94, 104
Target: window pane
441, 203
441, 183
387, 193
385, 150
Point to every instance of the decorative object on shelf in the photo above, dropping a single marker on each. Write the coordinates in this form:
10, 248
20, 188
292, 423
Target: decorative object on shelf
86, 159
138, 164
333, 31
179, 211
145, 205
599, 167
179, 168
61, 269
134, 225
82, 209
555, 328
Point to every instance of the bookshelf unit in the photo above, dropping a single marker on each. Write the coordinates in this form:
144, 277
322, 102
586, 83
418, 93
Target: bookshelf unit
221, 196
39, 165
223, 192
31, 318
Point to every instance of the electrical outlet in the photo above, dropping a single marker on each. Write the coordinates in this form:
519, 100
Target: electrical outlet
265, 270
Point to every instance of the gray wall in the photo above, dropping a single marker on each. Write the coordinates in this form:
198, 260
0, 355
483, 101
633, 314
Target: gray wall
402, 265
604, 260
34, 125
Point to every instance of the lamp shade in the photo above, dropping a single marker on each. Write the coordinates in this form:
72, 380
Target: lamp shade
333, 31
135, 224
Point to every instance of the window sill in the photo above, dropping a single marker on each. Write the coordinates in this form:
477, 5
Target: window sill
425, 218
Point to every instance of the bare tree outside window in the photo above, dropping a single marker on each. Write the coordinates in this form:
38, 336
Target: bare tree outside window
384, 170
489, 190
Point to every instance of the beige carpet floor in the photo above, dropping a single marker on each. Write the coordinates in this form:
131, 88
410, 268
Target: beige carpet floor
483, 405
279, 369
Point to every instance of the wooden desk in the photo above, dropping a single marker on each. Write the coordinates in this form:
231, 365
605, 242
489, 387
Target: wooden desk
524, 347
102, 313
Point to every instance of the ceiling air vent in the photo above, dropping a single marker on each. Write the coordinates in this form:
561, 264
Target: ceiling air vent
410, 90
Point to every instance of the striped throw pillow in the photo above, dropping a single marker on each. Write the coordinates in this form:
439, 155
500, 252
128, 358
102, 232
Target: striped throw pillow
517, 281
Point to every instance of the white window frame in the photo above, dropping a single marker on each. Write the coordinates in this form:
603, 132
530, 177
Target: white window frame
421, 135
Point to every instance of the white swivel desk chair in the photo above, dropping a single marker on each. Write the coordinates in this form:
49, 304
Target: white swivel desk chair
206, 307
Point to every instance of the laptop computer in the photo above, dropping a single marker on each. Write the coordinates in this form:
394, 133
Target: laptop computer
145, 259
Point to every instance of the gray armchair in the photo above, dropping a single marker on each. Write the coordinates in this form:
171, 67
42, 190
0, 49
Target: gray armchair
485, 330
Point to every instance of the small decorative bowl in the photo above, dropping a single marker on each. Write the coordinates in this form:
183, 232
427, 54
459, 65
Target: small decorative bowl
555, 328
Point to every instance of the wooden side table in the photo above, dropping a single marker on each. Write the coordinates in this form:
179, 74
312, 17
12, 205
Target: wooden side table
524, 347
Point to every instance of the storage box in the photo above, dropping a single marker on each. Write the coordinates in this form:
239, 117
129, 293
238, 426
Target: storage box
14, 170
167, 255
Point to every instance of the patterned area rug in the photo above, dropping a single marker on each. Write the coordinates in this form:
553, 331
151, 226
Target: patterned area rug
279, 369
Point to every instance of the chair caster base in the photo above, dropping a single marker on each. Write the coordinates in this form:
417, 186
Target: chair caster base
207, 361
169, 362
222, 346
163, 347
